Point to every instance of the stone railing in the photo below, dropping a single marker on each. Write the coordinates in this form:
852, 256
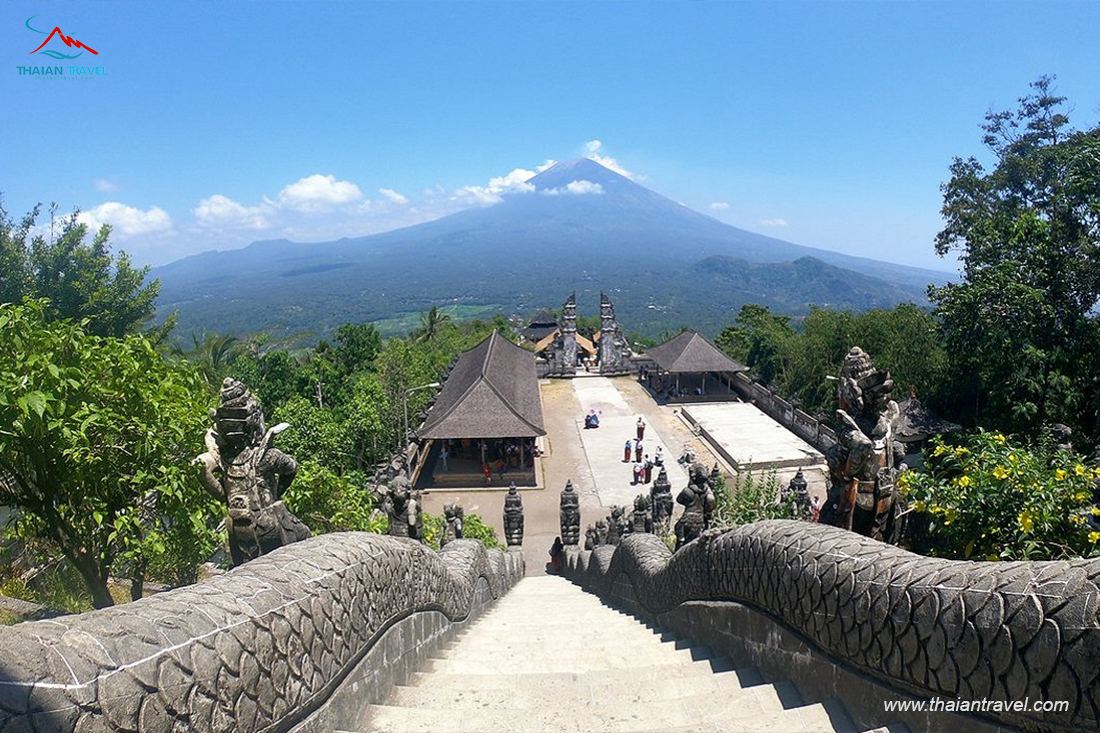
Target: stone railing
301, 639
888, 622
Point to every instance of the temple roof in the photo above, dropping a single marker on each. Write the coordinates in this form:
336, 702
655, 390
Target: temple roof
492, 392
916, 421
548, 341
689, 352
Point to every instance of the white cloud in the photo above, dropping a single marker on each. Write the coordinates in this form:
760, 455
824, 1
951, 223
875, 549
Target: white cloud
593, 147
222, 211
720, 205
576, 188
394, 196
318, 193
550, 163
514, 182
127, 221
105, 185
773, 222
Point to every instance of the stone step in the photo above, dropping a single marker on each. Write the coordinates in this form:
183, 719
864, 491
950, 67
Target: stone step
459, 664
597, 646
651, 675
748, 712
592, 690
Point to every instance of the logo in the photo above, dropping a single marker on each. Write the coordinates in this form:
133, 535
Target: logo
69, 41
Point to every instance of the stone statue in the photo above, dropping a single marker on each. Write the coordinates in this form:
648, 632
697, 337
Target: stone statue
1062, 437
513, 517
242, 467
643, 522
698, 501
615, 525
660, 495
570, 515
453, 514
797, 493
402, 506
866, 459
590, 538
602, 531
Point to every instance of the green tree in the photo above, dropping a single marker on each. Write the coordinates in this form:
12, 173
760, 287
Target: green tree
357, 347
1019, 327
760, 339
97, 435
212, 355
431, 322
82, 281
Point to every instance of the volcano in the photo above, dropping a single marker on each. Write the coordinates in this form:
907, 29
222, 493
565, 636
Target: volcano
577, 226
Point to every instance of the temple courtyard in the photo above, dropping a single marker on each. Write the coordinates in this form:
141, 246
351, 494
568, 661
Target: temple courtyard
593, 459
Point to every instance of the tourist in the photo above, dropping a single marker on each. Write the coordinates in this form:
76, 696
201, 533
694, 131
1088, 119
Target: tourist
501, 467
659, 457
444, 454
648, 465
554, 566
488, 474
638, 450
638, 474
641, 428
626, 451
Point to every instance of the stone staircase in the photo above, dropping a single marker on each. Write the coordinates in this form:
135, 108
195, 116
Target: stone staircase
551, 657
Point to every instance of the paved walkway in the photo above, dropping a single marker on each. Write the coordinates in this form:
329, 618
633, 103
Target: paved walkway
603, 447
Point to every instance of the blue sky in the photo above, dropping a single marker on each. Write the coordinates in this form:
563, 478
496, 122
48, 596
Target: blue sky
218, 124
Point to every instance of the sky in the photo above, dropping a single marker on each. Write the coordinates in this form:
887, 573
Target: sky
211, 125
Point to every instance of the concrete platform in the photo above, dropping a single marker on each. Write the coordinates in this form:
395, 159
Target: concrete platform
748, 439
603, 446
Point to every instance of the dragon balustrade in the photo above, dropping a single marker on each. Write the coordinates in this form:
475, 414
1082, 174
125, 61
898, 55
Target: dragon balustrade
924, 627
267, 647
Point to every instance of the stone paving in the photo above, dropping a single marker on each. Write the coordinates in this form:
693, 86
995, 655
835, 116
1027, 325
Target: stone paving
749, 439
603, 446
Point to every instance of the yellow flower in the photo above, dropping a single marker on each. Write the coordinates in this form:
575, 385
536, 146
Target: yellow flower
1080, 496
960, 452
1026, 523
950, 516
1079, 470
940, 450
1094, 537
1000, 473
1060, 474
999, 438
1095, 511
1077, 519
1096, 472
1012, 457
964, 481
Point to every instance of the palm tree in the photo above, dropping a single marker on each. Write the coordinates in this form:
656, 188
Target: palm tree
431, 322
212, 356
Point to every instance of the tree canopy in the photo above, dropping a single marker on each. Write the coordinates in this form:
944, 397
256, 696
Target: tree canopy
97, 435
82, 280
1020, 328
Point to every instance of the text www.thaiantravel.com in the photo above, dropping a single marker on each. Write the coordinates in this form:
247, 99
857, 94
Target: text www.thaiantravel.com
941, 705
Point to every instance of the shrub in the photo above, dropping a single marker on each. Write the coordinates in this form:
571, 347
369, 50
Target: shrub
990, 497
751, 498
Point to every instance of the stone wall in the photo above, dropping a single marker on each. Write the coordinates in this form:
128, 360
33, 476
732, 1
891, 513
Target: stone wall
265, 647
916, 627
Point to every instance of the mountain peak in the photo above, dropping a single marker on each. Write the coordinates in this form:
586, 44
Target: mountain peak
565, 172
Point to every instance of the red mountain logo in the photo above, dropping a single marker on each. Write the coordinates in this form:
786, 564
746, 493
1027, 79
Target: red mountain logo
68, 41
